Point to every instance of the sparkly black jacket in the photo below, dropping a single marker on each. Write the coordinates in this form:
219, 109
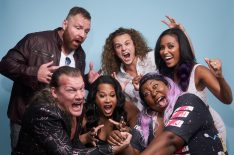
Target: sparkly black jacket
46, 130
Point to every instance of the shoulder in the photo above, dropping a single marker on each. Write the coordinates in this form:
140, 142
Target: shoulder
41, 34
189, 99
43, 105
132, 110
201, 70
129, 106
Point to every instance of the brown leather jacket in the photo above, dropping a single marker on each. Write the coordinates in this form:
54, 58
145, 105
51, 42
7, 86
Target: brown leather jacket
22, 62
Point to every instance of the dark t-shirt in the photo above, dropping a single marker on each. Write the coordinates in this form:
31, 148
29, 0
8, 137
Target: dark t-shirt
192, 121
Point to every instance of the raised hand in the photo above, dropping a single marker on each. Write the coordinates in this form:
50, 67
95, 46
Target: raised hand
45, 72
92, 135
123, 84
136, 82
215, 67
92, 75
121, 125
171, 23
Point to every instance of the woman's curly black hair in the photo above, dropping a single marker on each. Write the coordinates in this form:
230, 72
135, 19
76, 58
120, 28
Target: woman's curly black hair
92, 111
186, 62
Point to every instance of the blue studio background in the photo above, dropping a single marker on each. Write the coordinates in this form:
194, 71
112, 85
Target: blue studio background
209, 24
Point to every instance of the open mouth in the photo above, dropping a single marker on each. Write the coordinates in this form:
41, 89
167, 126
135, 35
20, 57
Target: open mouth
162, 101
126, 56
77, 106
77, 42
107, 109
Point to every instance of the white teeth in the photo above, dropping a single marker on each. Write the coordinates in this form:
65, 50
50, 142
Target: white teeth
168, 57
160, 98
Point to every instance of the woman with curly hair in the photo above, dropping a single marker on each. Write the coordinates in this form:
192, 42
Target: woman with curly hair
106, 101
174, 58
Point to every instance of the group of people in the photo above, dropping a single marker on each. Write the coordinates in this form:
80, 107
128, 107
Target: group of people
144, 102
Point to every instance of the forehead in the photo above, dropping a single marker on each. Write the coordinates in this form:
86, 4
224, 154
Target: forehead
169, 38
65, 80
106, 87
122, 38
151, 82
79, 19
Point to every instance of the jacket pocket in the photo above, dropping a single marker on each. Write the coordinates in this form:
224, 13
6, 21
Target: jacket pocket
43, 53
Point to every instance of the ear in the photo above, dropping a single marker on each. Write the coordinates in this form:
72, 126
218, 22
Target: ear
54, 92
65, 23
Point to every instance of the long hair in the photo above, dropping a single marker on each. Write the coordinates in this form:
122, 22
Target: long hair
110, 61
186, 62
92, 111
144, 119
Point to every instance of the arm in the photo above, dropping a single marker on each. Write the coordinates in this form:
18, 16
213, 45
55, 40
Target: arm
132, 112
24, 63
14, 65
213, 79
166, 144
53, 136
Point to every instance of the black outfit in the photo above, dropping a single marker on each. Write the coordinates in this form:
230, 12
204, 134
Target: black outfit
192, 121
46, 130
22, 62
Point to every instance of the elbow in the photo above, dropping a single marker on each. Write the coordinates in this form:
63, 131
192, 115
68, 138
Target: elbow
227, 101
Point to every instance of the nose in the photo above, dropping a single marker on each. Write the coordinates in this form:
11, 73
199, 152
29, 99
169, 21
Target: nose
82, 34
154, 93
165, 50
123, 47
107, 99
80, 94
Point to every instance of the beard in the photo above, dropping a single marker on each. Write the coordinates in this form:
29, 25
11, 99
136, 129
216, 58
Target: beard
68, 42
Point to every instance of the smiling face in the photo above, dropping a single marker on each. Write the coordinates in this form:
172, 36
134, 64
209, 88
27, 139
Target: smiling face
124, 48
170, 50
76, 29
106, 99
154, 93
70, 94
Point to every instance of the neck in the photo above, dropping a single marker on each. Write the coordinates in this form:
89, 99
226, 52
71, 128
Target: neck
131, 68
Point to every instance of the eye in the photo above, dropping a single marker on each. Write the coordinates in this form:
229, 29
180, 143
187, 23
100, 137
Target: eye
127, 43
170, 46
86, 31
112, 95
70, 90
146, 93
155, 86
101, 95
162, 48
78, 27
117, 46
82, 89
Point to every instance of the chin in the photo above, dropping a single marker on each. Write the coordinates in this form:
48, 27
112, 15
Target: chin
76, 114
108, 115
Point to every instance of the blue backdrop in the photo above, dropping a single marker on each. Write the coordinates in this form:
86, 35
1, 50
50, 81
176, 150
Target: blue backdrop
209, 24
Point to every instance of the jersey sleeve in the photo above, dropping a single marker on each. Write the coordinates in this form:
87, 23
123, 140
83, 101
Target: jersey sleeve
190, 113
